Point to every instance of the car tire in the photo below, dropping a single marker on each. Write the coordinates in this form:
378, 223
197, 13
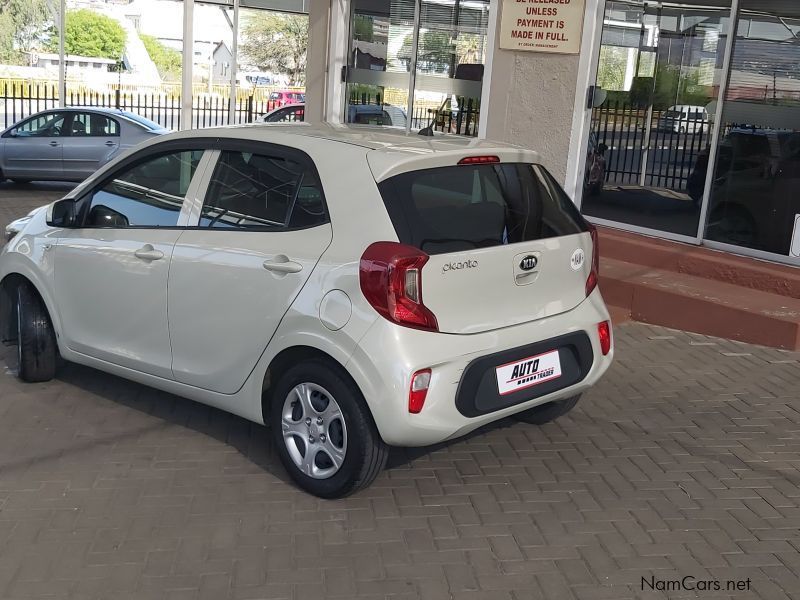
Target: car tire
37, 350
318, 416
544, 413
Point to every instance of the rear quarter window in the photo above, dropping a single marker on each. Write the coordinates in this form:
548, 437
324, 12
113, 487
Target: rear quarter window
459, 208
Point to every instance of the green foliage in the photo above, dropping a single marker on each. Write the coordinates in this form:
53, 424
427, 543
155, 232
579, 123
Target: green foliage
362, 28
22, 27
277, 43
88, 33
434, 53
611, 68
168, 61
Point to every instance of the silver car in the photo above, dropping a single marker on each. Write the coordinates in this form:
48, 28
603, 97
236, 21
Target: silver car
69, 143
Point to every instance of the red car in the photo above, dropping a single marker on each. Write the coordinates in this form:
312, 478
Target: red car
283, 97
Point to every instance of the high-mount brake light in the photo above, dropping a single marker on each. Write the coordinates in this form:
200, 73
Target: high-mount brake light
479, 160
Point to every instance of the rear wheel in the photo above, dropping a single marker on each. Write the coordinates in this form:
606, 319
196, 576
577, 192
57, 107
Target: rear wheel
544, 413
36, 340
323, 431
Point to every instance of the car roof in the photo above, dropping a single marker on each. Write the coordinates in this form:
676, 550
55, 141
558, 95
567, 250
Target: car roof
371, 137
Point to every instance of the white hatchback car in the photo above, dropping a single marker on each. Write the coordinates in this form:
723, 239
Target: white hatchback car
354, 289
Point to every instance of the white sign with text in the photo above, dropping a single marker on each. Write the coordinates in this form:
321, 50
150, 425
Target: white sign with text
542, 25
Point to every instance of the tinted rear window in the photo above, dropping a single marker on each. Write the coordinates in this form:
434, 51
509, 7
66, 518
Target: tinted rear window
453, 209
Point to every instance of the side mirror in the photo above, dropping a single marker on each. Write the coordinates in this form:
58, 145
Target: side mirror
62, 214
103, 216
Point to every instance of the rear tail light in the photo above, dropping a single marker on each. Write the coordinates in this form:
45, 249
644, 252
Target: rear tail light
594, 274
604, 333
479, 160
390, 275
420, 382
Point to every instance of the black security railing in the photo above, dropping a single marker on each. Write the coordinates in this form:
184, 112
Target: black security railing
20, 100
656, 148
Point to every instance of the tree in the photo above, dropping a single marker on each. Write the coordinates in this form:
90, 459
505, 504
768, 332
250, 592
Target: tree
434, 54
168, 61
277, 43
88, 33
363, 28
22, 27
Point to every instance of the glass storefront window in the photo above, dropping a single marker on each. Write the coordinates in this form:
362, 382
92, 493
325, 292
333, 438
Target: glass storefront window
445, 67
659, 74
754, 201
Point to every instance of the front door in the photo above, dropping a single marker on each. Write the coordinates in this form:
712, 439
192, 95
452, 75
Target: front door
111, 272
658, 81
262, 229
93, 140
35, 148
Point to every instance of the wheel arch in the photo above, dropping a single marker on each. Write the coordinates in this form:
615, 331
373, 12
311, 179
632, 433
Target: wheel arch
293, 355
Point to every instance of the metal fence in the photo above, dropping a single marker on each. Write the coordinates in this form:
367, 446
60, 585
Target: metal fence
647, 147
20, 100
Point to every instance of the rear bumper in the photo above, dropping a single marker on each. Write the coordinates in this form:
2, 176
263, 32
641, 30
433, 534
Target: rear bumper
463, 393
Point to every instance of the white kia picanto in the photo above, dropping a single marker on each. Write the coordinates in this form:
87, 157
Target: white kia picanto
353, 289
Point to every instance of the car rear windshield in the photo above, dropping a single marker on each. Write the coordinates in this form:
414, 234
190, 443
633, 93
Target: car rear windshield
453, 209
147, 123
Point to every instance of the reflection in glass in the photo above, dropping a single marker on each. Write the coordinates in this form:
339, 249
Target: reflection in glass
754, 200
660, 68
148, 195
450, 53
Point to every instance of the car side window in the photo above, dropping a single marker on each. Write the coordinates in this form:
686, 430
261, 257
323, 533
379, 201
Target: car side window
93, 125
257, 191
149, 193
46, 125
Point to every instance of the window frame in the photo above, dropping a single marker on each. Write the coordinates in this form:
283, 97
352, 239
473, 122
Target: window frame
261, 148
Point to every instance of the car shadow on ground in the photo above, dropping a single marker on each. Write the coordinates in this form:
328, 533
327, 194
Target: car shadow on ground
249, 439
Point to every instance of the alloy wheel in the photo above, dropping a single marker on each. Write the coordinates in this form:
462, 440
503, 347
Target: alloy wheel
314, 430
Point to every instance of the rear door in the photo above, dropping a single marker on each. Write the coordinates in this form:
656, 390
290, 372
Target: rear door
259, 234
93, 139
506, 244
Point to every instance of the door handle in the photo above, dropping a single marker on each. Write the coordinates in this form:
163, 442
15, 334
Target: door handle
282, 264
110, 143
147, 252
54, 143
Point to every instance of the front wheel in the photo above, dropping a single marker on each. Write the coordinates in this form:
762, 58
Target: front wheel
37, 350
323, 431
544, 413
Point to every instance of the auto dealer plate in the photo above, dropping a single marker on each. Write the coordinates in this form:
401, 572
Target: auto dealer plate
525, 373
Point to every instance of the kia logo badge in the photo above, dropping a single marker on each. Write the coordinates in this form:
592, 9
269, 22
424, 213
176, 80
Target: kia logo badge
528, 263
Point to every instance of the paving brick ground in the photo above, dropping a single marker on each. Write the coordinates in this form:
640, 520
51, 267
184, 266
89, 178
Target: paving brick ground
684, 461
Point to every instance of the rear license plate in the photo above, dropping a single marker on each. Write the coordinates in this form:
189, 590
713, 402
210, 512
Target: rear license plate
525, 373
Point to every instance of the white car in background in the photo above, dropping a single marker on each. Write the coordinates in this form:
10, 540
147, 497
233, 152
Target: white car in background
685, 118
351, 288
